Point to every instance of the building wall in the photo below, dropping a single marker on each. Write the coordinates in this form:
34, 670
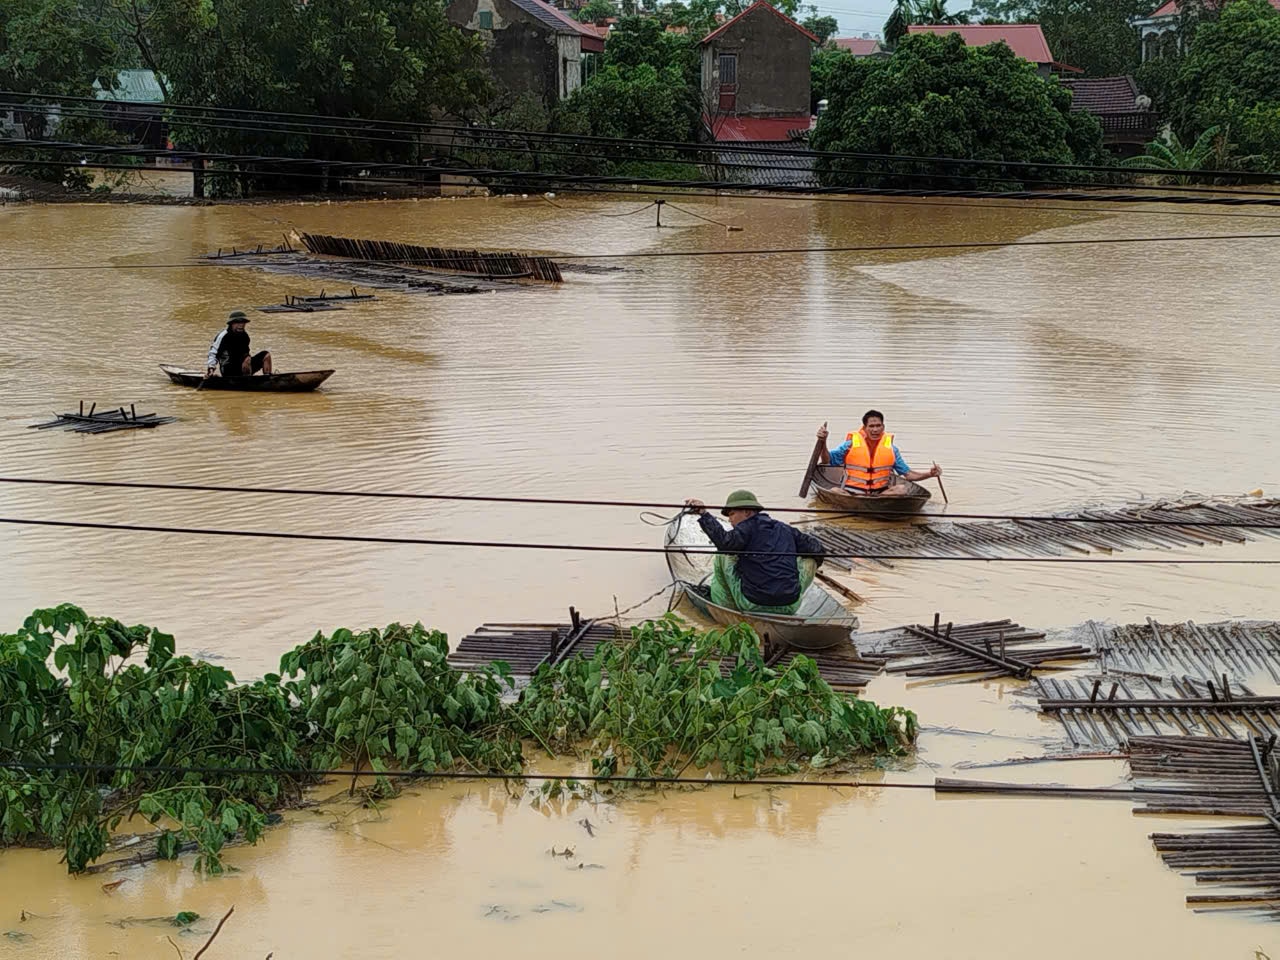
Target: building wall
569, 69
773, 66
523, 52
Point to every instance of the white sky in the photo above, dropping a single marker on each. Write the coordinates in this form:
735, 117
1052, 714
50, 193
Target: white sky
856, 16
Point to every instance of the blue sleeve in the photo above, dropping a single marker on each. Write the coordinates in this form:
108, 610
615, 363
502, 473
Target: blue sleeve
899, 465
839, 453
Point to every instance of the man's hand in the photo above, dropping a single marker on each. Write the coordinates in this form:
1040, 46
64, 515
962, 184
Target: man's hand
695, 506
822, 432
935, 471
208, 371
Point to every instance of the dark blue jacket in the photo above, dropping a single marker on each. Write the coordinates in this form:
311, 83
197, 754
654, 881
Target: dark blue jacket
771, 581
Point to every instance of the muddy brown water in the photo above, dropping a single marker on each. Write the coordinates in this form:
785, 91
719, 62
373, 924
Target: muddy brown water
1040, 378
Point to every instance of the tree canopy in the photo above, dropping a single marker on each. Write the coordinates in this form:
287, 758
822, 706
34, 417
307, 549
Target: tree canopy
936, 97
1093, 35
1231, 78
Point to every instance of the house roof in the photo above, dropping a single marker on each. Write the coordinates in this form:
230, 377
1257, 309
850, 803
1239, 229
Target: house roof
134, 86
1025, 39
755, 129
758, 5
562, 23
858, 47
1103, 94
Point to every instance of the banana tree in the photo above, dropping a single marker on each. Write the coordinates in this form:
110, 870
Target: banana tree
1169, 153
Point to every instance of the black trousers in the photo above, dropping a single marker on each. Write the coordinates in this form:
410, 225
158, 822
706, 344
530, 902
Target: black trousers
234, 366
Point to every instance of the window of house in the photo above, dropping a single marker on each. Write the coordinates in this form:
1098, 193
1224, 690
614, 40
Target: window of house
486, 19
728, 68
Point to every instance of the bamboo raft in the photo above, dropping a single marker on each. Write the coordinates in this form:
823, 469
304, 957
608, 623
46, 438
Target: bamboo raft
494, 266
994, 648
106, 422
1101, 531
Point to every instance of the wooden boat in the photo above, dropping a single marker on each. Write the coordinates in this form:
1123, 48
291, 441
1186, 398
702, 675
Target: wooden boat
828, 484
819, 623
282, 382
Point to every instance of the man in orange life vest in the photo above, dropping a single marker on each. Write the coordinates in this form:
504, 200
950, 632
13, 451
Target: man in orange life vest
872, 462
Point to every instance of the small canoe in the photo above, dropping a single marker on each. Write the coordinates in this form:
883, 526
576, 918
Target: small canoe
282, 382
828, 484
820, 623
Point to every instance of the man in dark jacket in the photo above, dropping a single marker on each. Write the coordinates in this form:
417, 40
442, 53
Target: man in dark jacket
229, 353
762, 565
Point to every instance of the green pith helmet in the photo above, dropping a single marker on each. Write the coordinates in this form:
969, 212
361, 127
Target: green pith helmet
741, 500
237, 316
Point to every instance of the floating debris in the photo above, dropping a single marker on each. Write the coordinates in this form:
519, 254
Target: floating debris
299, 305
994, 648
115, 419
526, 646
503, 266
1106, 530
258, 251
1106, 710
1205, 652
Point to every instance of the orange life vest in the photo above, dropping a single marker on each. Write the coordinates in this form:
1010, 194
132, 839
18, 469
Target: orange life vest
867, 472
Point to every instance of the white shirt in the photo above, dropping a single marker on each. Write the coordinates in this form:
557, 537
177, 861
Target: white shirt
213, 349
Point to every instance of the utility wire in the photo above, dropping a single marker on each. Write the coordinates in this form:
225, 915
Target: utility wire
549, 179
592, 548
921, 199
473, 130
1016, 789
285, 129
775, 251
629, 504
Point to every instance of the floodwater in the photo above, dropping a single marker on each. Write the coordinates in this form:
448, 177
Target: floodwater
1040, 378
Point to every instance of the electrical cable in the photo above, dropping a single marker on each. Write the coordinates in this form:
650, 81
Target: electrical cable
472, 130
592, 548
628, 504
507, 148
896, 247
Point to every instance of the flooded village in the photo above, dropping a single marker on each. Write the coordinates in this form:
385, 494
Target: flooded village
411, 448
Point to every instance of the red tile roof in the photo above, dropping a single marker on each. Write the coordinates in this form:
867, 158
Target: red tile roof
858, 47
756, 129
752, 9
1025, 39
561, 22
1103, 94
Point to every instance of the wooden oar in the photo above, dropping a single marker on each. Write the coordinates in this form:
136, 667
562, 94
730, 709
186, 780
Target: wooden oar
819, 448
940, 486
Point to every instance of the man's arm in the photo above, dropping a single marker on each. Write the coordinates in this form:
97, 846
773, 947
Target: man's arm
808, 546
212, 362
726, 541
901, 468
836, 456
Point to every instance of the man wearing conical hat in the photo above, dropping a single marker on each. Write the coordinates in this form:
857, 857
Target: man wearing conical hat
229, 353
762, 565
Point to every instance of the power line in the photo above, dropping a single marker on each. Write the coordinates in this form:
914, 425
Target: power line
590, 548
917, 199
777, 251
1027, 789
545, 179
472, 130
286, 128
629, 504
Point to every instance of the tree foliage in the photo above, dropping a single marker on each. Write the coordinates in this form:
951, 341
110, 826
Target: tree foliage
936, 97
823, 27
908, 12
101, 722
1093, 35
1230, 78
597, 11
822, 66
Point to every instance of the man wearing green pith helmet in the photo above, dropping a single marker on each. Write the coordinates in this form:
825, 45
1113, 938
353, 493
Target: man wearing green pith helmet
762, 565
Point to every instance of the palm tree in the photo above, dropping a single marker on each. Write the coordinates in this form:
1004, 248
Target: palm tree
907, 12
1168, 153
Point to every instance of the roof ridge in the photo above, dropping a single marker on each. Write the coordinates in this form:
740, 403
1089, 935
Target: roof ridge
772, 9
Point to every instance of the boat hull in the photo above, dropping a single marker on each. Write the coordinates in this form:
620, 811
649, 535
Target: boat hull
821, 622
267, 383
828, 485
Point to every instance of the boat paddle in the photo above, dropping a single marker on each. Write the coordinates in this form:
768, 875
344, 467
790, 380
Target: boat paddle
819, 448
941, 487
